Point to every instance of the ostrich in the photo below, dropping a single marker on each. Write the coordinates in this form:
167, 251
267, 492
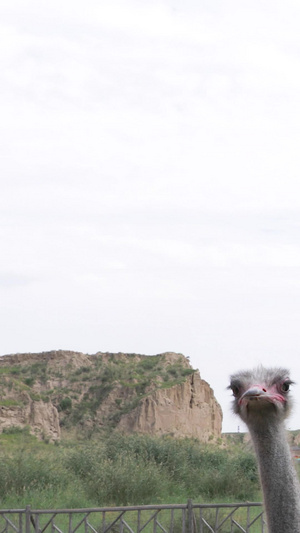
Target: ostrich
261, 399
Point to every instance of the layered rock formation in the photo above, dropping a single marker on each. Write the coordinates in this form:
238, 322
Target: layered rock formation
156, 395
42, 418
188, 409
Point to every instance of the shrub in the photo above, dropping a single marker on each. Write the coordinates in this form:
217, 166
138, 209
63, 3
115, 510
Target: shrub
188, 371
127, 479
16, 430
197, 470
65, 404
29, 381
121, 470
24, 472
148, 363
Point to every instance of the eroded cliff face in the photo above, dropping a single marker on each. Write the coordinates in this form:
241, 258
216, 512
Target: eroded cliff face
188, 409
157, 395
42, 418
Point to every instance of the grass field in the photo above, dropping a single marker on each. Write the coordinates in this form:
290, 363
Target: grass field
111, 470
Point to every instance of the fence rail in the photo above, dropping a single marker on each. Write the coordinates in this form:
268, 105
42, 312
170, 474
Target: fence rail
183, 518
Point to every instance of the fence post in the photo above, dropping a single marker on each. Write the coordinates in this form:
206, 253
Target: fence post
190, 516
27, 519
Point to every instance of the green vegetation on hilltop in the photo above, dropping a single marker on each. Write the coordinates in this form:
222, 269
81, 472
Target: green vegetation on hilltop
120, 470
78, 386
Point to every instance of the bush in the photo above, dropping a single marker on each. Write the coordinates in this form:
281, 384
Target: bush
148, 363
122, 470
126, 480
22, 473
65, 404
16, 430
196, 470
29, 381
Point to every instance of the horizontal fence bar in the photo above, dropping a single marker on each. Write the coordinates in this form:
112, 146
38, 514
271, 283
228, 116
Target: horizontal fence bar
132, 508
224, 505
111, 509
141, 508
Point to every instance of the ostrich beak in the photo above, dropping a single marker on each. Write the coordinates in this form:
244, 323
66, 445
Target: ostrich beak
254, 394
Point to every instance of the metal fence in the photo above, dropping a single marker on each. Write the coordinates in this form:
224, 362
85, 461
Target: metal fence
183, 518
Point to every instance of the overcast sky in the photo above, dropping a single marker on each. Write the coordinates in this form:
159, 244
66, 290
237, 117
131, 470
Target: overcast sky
150, 185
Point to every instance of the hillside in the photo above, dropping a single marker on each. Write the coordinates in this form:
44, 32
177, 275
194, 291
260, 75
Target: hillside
56, 390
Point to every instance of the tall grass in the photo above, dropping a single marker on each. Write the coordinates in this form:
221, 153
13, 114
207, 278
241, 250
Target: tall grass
121, 470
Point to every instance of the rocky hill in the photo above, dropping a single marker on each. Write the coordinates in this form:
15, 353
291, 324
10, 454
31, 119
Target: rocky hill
158, 395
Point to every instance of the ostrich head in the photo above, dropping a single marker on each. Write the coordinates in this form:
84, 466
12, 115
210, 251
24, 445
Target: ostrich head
261, 394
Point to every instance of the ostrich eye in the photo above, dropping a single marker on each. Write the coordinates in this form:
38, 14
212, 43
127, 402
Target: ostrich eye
285, 386
235, 390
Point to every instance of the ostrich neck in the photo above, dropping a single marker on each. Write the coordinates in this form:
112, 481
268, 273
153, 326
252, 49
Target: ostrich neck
278, 477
